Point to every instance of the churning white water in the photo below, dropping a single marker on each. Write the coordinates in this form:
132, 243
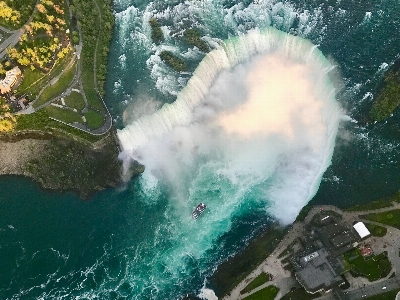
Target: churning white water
257, 122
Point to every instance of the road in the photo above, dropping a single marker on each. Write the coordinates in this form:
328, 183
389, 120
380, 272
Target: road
374, 289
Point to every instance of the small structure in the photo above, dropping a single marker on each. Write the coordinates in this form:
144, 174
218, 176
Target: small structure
361, 229
11, 77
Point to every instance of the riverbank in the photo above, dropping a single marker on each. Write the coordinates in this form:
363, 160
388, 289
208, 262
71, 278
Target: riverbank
277, 263
62, 164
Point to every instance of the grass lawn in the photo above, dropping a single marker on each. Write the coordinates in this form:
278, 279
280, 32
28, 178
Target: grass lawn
373, 268
65, 115
40, 81
29, 78
385, 296
376, 230
256, 282
381, 203
300, 294
75, 100
91, 95
268, 293
94, 119
40, 121
57, 88
391, 218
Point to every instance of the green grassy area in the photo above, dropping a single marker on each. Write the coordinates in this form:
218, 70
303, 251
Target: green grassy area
96, 35
376, 230
40, 121
30, 77
94, 119
236, 268
268, 293
300, 294
388, 99
377, 204
91, 95
256, 282
373, 268
57, 88
41, 81
75, 100
391, 217
391, 295
65, 115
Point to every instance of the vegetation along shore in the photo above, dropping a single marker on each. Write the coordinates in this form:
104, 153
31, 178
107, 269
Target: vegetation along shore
54, 125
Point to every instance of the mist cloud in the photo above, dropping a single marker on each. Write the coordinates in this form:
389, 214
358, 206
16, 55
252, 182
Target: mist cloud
267, 124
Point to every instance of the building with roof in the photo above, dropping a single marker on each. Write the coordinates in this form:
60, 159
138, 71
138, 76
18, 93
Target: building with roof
8, 82
317, 273
361, 229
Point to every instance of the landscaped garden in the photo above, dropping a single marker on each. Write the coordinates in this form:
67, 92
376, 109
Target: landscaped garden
256, 282
75, 100
40, 121
376, 230
57, 88
94, 119
300, 294
66, 115
391, 218
268, 293
373, 268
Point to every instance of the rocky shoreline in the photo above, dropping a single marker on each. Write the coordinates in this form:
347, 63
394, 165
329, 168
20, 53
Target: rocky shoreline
62, 164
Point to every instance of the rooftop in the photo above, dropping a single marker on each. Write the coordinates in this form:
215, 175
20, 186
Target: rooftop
11, 77
318, 274
361, 229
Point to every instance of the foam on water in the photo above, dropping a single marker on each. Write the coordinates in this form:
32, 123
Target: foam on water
191, 154
178, 126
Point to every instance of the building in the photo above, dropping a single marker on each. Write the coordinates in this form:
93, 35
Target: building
361, 229
319, 265
317, 272
11, 78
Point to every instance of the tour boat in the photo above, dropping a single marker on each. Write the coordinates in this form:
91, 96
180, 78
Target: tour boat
198, 210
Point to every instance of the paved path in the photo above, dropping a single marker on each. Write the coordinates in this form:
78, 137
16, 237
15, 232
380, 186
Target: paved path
272, 265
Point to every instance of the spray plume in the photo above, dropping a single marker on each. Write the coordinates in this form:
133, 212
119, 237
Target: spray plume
258, 116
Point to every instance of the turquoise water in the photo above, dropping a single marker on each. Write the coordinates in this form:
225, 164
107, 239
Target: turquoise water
134, 242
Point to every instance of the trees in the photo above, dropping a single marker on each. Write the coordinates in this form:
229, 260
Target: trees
9, 14
43, 37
